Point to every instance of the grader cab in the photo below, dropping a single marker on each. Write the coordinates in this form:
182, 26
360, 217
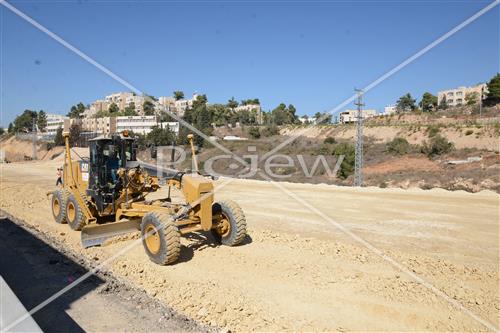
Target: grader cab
106, 196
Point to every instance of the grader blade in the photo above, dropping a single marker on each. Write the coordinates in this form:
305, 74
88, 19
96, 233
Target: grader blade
96, 235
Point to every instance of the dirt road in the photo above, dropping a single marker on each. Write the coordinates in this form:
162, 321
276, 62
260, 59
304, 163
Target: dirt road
298, 271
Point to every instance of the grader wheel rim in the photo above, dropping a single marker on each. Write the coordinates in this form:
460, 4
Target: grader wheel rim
71, 211
153, 241
224, 226
56, 207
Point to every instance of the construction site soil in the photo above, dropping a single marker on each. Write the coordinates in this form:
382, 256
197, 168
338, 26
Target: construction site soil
317, 258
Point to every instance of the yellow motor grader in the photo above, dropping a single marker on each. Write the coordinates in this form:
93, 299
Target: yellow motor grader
106, 195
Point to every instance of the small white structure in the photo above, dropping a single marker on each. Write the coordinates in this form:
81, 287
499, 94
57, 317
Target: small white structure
233, 138
389, 109
171, 125
307, 120
350, 116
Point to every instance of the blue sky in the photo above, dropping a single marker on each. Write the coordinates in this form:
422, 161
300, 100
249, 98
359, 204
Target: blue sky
308, 53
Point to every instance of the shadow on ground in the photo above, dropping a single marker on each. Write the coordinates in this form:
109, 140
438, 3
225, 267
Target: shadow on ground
35, 271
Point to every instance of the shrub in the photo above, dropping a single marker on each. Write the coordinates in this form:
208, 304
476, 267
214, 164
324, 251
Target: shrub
469, 132
398, 146
254, 132
330, 140
347, 165
432, 131
438, 145
270, 130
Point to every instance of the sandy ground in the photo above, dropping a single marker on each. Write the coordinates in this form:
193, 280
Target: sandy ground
299, 272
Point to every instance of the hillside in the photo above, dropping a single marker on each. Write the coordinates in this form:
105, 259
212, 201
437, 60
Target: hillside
471, 139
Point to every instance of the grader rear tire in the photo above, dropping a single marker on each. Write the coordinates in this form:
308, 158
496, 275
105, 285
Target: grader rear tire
59, 198
160, 238
74, 214
231, 228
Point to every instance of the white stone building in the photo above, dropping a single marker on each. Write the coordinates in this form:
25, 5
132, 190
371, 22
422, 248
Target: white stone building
136, 124
456, 97
54, 121
350, 116
389, 109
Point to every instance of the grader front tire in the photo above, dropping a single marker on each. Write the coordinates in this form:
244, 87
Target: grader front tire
59, 198
160, 238
74, 214
230, 228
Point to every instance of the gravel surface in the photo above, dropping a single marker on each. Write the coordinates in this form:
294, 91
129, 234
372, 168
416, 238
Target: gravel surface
297, 270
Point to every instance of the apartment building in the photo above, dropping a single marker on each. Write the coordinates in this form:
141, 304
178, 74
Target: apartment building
136, 124
138, 103
252, 108
456, 97
104, 125
54, 121
120, 99
95, 107
350, 116
165, 102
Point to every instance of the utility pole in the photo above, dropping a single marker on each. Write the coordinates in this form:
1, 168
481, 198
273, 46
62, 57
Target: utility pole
33, 133
358, 166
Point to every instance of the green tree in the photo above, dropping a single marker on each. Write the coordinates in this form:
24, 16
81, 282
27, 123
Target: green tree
347, 166
283, 115
443, 105
323, 118
74, 134
149, 108
493, 95
178, 95
428, 102
24, 122
41, 121
160, 136
129, 110
221, 114
201, 100
59, 140
76, 110
471, 98
232, 103
406, 103
113, 109
254, 101
10, 129
2, 130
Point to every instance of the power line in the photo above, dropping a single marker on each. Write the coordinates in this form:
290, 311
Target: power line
358, 166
